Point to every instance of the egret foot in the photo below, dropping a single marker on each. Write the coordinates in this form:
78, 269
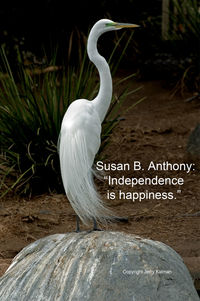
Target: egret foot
95, 227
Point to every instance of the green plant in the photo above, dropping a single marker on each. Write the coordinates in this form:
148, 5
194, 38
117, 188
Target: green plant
185, 19
33, 103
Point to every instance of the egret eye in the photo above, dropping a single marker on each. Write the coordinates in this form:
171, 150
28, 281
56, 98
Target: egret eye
110, 24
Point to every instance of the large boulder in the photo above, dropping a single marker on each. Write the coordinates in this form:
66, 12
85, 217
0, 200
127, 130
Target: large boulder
99, 266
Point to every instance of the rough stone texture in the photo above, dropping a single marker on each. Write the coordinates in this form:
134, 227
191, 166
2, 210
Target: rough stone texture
99, 266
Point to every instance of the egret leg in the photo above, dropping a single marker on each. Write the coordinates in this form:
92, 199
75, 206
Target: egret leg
95, 227
77, 224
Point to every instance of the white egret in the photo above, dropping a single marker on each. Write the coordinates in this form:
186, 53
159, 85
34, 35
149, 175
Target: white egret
80, 136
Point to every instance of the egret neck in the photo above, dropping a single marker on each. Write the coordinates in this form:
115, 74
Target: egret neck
103, 99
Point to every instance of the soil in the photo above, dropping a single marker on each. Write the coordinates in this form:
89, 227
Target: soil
157, 130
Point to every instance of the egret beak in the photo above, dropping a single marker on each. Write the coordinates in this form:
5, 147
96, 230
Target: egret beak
125, 25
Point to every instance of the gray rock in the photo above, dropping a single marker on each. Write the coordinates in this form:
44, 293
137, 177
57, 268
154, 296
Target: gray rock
99, 266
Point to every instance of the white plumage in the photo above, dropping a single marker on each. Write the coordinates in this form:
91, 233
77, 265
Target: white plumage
80, 136
78, 150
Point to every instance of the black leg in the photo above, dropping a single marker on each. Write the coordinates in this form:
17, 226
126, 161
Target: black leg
77, 224
95, 227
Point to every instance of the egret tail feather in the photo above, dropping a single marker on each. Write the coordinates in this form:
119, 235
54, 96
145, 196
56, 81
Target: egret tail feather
77, 175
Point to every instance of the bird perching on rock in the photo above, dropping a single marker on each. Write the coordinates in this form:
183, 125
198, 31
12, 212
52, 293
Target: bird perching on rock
80, 136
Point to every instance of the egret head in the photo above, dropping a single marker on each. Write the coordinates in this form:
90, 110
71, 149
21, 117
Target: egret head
105, 25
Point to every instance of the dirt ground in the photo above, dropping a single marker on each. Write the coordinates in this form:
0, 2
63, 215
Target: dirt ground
155, 130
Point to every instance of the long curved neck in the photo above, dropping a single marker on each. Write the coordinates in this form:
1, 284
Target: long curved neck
103, 99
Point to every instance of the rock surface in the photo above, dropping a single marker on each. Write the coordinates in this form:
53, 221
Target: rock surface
99, 266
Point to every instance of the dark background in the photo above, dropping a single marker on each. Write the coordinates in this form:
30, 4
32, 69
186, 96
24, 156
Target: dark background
41, 27
48, 23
